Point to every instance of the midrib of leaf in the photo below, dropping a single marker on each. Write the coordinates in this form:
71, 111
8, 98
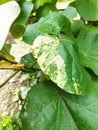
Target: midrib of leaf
57, 117
70, 112
66, 46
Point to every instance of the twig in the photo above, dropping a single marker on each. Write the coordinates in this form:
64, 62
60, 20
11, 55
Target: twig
8, 79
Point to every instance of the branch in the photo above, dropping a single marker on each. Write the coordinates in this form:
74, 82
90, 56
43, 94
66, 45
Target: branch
8, 79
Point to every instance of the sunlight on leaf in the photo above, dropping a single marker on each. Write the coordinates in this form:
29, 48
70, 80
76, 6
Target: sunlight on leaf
8, 13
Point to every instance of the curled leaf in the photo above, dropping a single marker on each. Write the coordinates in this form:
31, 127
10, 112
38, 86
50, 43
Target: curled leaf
8, 13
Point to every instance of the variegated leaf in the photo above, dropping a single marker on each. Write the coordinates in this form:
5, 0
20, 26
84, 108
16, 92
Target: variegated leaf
58, 59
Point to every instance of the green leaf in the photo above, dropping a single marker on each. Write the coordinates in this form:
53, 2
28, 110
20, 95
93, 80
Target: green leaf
8, 13
46, 110
44, 10
84, 108
58, 59
87, 42
4, 1
49, 108
31, 32
76, 27
28, 60
54, 23
8, 127
5, 53
26, 8
88, 9
70, 13
38, 3
17, 31
42, 2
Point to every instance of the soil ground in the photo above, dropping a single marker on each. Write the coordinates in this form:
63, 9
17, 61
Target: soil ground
8, 104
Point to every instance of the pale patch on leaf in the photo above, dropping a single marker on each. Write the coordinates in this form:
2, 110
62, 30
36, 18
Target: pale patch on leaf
75, 84
45, 49
8, 13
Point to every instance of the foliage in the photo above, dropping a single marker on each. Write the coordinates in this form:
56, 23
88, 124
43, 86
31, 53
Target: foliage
51, 108
6, 123
62, 63
8, 10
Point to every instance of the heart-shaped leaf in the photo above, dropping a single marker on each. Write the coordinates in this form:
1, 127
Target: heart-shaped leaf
58, 59
8, 13
87, 42
49, 108
54, 23
88, 9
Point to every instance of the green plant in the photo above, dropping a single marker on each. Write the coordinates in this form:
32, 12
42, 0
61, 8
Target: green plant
6, 123
63, 60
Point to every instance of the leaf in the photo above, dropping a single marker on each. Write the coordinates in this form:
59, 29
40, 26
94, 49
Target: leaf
4, 1
70, 13
76, 27
5, 53
87, 42
6, 120
28, 60
8, 127
17, 31
58, 59
38, 3
9, 65
26, 8
45, 109
8, 13
30, 33
88, 9
42, 2
54, 23
49, 108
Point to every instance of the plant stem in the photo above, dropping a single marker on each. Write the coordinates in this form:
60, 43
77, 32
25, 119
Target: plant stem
9, 78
